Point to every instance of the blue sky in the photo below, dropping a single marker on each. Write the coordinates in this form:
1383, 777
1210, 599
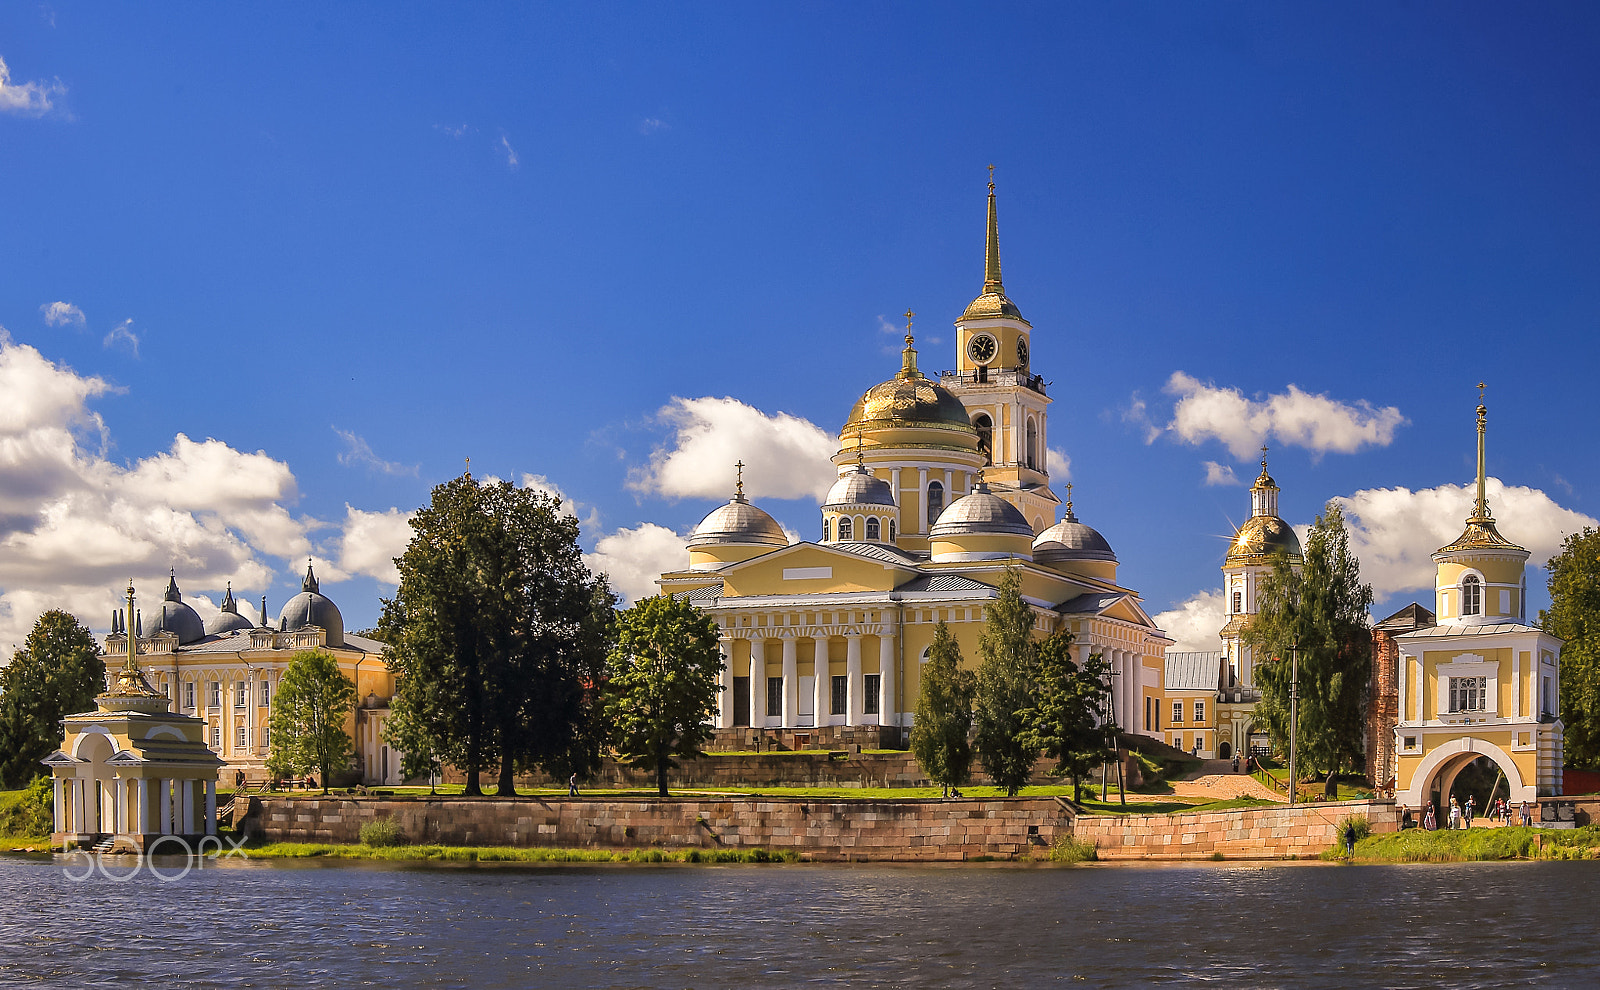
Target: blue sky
370, 241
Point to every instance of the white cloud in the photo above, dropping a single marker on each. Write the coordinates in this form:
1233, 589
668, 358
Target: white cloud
454, 131
1395, 531
1220, 474
1296, 418
358, 451
650, 125
632, 559
540, 483
370, 541
122, 332
1057, 464
784, 456
512, 161
59, 314
75, 526
1195, 624
29, 99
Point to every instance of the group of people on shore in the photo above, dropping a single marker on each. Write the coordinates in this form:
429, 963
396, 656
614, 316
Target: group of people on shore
1461, 814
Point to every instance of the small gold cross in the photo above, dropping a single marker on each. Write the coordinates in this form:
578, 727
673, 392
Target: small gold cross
909, 315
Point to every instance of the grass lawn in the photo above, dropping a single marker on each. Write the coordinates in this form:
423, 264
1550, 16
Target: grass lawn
1475, 844
25, 818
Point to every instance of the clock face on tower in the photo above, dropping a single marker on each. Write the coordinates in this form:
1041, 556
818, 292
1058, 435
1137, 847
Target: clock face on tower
982, 348
1022, 353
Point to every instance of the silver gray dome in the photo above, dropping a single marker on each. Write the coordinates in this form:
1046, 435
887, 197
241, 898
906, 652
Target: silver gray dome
738, 522
228, 618
1070, 539
175, 617
310, 608
981, 513
859, 487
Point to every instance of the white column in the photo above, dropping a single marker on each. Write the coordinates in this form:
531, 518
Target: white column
852, 660
188, 806
164, 811
59, 808
758, 686
119, 814
886, 684
725, 696
822, 696
143, 818
922, 502
791, 681
211, 807
75, 805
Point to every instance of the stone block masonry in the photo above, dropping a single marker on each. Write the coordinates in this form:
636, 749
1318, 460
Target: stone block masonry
1278, 832
929, 830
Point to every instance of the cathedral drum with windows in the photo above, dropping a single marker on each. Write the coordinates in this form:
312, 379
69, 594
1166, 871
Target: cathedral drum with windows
1481, 684
942, 486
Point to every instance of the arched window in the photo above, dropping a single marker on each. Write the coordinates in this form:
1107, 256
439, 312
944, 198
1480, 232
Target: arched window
985, 427
1033, 444
872, 529
846, 530
891, 531
935, 501
824, 529
1471, 596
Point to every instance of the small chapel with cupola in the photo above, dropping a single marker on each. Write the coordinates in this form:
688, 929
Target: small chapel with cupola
943, 484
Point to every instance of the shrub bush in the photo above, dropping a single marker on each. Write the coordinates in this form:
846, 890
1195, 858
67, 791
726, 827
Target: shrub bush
1067, 849
1363, 827
28, 812
382, 832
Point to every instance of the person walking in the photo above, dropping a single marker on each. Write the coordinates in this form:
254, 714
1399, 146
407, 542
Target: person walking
1430, 822
572, 786
1466, 812
1455, 814
1349, 840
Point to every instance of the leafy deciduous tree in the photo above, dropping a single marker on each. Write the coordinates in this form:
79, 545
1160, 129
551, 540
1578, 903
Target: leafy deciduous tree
1323, 608
1574, 616
1005, 687
498, 632
309, 711
664, 675
944, 714
57, 672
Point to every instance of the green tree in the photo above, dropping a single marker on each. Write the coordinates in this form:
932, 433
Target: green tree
1323, 608
1574, 616
499, 634
1065, 720
1007, 655
664, 673
57, 673
944, 714
309, 712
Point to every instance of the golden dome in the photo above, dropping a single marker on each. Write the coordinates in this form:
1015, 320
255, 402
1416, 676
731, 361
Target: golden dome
1263, 537
990, 305
910, 399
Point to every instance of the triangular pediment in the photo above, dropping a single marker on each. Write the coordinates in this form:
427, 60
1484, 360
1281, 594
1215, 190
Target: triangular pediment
813, 568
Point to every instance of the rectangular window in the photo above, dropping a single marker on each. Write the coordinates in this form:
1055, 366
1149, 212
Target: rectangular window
1547, 705
1238, 602
741, 701
214, 693
216, 737
839, 695
1200, 712
1177, 713
1410, 742
188, 695
266, 738
774, 696
241, 696
266, 694
239, 741
872, 688
1147, 702
1468, 694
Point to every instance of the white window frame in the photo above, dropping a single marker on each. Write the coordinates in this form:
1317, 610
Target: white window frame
214, 694
188, 695
1200, 712
1177, 713
241, 737
1468, 694
1471, 604
241, 694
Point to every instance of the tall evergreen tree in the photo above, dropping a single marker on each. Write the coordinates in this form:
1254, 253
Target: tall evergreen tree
664, 676
57, 672
1324, 609
944, 714
313, 702
1065, 720
1574, 616
1005, 687
498, 632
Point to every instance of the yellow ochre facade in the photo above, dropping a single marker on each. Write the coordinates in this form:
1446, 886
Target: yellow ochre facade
1482, 683
943, 485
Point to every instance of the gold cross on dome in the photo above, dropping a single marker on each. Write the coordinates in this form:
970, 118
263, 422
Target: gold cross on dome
909, 315
1263, 457
739, 485
991, 178
1480, 391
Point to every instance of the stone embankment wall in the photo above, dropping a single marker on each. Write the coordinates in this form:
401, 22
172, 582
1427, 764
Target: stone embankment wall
1246, 833
855, 829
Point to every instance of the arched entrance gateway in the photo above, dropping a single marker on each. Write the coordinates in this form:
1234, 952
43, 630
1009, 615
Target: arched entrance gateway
1467, 766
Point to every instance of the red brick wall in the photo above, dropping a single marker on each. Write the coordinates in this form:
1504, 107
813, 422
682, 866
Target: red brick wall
1383, 710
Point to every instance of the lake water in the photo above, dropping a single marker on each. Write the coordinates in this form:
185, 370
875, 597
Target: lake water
367, 925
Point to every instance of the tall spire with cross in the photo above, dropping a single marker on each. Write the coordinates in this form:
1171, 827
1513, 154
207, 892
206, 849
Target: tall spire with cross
1480, 507
991, 256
